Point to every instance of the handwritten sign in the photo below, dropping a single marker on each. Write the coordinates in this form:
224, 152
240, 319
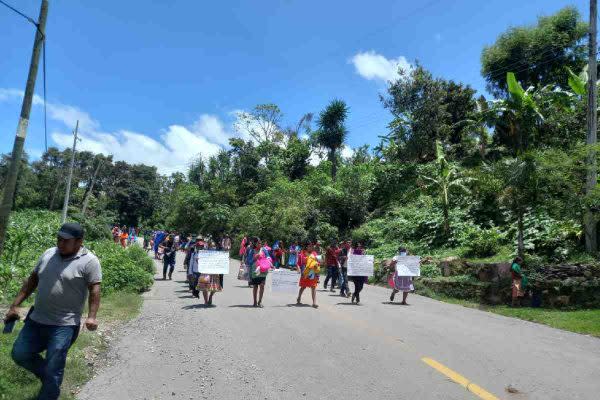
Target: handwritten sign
360, 265
408, 265
284, 281
213, 262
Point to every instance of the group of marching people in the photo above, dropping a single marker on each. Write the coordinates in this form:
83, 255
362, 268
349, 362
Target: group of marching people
258, 258
124, 236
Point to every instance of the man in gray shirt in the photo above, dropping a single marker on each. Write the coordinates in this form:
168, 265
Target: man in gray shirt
63, 277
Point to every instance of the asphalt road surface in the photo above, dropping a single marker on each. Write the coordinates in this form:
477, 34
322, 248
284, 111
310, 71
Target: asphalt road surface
178, 349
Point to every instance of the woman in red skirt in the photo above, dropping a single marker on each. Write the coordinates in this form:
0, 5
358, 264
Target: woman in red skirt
309, 275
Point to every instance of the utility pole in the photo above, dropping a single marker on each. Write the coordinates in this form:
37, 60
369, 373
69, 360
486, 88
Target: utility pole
17, 152
63, 218
592, 126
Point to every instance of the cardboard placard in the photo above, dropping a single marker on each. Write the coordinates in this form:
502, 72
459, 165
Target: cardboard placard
213, 262
408, 265
284, 281
360, 265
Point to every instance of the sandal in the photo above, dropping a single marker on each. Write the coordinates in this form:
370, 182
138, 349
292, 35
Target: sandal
315, 306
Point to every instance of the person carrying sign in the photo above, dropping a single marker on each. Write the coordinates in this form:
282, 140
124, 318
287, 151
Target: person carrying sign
359, 281
398, 283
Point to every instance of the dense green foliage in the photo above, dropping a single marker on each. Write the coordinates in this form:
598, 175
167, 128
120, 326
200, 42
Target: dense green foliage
31, 232
539, 53
455, 174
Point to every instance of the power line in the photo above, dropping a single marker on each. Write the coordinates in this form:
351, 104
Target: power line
37, 27
19, 12
544, 59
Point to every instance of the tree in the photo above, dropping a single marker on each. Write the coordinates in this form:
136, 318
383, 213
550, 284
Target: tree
332, 132
538, 54
134, 192
478, 124
424, 110
521, 116
262, 124
459, 103
520, 189
295, 158
445, 179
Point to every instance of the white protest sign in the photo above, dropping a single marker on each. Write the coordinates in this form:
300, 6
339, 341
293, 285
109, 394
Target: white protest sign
360, 265
408, 265
213, 262
284, 281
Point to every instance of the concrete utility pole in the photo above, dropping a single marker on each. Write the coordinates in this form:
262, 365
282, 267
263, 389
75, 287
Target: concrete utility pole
592, 126
17, 152
63, 218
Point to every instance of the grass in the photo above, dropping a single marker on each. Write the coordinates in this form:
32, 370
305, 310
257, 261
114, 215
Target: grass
16, 383
586, 322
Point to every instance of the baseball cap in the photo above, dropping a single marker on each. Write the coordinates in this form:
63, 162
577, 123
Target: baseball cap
71, 230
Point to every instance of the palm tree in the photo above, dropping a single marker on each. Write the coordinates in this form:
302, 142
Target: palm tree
332, 132
478, 124
520, 179
446, 178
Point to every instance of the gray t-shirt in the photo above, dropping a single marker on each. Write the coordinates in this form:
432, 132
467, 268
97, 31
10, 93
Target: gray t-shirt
63, 286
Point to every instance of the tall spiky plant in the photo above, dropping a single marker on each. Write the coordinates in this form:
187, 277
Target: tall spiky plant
332, 131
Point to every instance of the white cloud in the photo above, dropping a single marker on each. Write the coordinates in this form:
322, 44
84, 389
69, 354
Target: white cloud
10, 94
320, 154
347, 151
373, 66
171, 152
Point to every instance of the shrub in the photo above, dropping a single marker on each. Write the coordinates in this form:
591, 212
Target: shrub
96, 227
482, 242
430, 271
140, 257
31, 232
122, 269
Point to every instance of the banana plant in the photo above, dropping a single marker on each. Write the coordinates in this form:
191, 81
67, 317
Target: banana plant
446, 178
578, 82
521, 111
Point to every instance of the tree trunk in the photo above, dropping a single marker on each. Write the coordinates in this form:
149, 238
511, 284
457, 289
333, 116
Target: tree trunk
446, 221
333, 160
53, 197
592, 126
482, 144
520, 241
88, 192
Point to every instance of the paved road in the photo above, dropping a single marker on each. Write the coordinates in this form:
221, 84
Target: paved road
177, 349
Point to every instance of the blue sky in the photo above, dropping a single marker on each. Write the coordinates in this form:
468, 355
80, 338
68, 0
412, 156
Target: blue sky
159, 81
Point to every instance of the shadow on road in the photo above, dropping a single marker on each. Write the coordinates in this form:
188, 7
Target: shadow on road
391, 303
242, 306
243, 286
348, 304
194, 306
186, 297
297, 305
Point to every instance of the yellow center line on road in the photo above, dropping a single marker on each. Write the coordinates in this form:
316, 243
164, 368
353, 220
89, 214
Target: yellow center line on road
452, 375
458, 378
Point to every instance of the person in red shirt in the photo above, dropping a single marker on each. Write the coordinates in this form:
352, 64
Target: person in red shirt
331, 260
